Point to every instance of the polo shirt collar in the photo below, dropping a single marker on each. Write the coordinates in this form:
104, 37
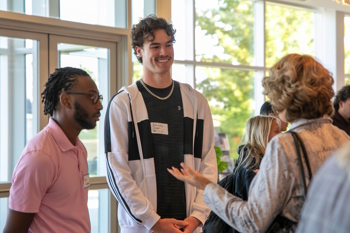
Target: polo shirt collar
61, 139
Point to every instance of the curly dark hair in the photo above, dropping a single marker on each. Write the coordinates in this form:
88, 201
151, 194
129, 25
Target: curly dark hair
144, 31
62, 79
301, 86
342, 95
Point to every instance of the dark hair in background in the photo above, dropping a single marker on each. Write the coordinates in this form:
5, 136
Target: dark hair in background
342, 95
59, 81
266, 109
144, 31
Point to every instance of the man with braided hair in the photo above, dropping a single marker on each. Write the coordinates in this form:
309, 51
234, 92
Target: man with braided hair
50, 183
150, 126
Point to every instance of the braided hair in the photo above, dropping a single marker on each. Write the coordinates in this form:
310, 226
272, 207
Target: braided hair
59, 81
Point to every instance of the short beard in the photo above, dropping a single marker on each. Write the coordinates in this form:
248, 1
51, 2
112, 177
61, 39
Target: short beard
80, 115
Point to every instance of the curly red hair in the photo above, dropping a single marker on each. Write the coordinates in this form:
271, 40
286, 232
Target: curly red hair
301, 86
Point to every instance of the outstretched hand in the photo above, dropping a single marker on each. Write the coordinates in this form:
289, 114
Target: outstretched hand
189, 176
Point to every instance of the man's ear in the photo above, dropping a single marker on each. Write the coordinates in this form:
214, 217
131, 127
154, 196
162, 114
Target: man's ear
341, 104
65, 100
138, 51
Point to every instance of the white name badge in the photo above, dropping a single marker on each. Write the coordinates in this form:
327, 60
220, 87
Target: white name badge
86, 181
159, 128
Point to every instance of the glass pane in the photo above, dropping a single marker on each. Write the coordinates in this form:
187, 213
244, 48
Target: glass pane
288, 30
181, 16
95, 61
101, 12
231, 99
347, 81
137, 70
183, 73
346, 44
4, 207
18, 100
98, 12
98, 204
141, 9
227, 28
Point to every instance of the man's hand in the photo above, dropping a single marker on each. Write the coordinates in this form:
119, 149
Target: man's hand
189, 176
193, 223
169, 225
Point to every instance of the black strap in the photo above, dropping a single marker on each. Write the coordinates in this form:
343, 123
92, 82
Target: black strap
305, 155
299, 143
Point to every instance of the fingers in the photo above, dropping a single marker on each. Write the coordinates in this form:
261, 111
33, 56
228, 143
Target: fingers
180, 223
188, 169
176, 173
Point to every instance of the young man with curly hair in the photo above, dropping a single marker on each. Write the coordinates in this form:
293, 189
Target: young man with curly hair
150, 126
50, 183
341, 104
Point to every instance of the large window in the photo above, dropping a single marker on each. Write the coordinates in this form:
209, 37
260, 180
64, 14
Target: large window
18, 87
347, 48
288, 30
31, 47
112, 13
226, 47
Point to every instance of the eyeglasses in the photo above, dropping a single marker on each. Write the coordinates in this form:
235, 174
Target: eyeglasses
93, 95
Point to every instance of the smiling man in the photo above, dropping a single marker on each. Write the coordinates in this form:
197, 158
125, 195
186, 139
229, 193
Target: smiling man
150, 126
50, 183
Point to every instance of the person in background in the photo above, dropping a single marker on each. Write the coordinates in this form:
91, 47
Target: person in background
259, 130
155, 123
266, 110
326, 208
300, 91
50, 183
341, 104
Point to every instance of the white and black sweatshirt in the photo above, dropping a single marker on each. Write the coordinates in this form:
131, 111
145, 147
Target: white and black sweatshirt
131, 172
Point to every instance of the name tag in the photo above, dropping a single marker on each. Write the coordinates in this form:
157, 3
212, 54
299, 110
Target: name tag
159, 128
86, 181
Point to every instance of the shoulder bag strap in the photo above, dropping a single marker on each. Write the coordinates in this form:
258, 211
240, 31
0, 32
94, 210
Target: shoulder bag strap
305, 155
298, 143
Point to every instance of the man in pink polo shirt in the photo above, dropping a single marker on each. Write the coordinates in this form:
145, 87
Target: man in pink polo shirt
50, 183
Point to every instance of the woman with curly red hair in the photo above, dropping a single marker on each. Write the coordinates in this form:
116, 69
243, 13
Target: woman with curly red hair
300, 91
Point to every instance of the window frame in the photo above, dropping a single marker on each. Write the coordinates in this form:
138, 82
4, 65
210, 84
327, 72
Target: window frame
38, 28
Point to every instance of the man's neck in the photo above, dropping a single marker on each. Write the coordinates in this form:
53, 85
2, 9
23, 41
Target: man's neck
68, 128
157, 80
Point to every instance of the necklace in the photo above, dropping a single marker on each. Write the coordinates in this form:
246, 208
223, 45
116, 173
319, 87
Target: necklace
161, 98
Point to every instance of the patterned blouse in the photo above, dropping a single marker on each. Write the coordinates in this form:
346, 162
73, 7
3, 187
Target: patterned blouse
277, 188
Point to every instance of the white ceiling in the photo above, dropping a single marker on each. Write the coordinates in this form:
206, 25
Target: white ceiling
330, 4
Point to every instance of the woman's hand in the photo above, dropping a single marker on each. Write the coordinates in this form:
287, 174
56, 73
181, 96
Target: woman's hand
189, 176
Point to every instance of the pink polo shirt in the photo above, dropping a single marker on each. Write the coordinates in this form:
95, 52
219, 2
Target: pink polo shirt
49, 180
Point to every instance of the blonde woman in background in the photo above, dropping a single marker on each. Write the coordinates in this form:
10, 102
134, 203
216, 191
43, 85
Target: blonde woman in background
300, 91
259, 130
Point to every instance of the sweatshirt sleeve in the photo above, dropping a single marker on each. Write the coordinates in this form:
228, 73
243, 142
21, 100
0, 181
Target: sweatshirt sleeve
119, 178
